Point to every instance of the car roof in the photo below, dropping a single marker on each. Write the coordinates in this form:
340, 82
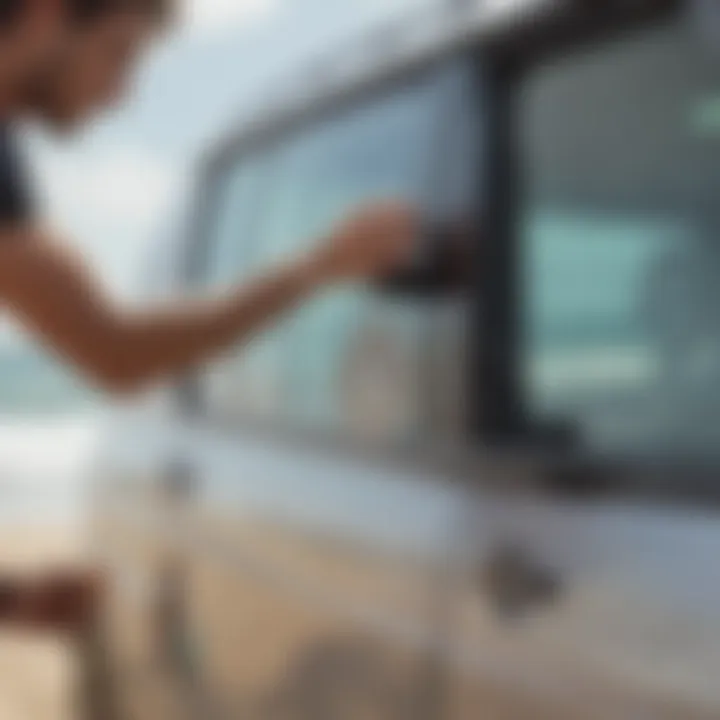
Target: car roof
384, 52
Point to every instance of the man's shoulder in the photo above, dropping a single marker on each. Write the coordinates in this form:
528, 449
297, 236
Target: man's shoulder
15, 205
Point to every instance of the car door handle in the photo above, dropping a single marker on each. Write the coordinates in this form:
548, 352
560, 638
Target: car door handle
516, 583
180, 483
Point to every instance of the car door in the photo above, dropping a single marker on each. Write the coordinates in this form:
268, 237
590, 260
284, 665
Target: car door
311, 581
607, 607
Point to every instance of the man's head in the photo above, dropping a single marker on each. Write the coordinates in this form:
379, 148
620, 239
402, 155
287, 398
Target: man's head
78, 54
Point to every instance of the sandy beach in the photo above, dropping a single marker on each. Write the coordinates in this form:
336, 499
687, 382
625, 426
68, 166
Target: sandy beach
37, 673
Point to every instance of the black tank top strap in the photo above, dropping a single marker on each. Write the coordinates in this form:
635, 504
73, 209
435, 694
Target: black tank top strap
15, 204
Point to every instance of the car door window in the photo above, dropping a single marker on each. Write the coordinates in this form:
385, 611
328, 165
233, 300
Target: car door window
350, 360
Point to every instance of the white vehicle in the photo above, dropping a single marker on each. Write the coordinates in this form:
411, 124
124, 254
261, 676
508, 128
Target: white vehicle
495, 505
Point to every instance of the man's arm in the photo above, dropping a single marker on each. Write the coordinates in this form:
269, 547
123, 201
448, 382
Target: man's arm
51, 292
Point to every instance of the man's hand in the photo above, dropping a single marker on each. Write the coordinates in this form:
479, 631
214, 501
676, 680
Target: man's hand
371, 244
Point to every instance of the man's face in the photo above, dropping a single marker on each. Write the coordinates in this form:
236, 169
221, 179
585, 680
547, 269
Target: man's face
91, 69
30, 41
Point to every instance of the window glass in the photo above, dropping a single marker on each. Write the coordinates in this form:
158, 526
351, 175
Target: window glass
233, 222
621, 235
379, 152
308, 369
229, 260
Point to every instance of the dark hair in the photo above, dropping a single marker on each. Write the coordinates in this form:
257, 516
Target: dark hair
8, 10
88, 10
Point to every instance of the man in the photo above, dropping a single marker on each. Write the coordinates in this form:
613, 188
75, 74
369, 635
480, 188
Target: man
61, 60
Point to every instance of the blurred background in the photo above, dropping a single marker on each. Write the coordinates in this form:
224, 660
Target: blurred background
284, 580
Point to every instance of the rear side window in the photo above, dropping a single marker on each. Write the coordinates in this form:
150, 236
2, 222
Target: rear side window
350, 360
621, 233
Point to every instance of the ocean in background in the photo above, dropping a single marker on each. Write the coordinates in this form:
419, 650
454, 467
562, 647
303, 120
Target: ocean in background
46, 439
33, 384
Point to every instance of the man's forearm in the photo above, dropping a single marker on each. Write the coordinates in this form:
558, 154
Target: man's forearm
50, 291
170, 341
